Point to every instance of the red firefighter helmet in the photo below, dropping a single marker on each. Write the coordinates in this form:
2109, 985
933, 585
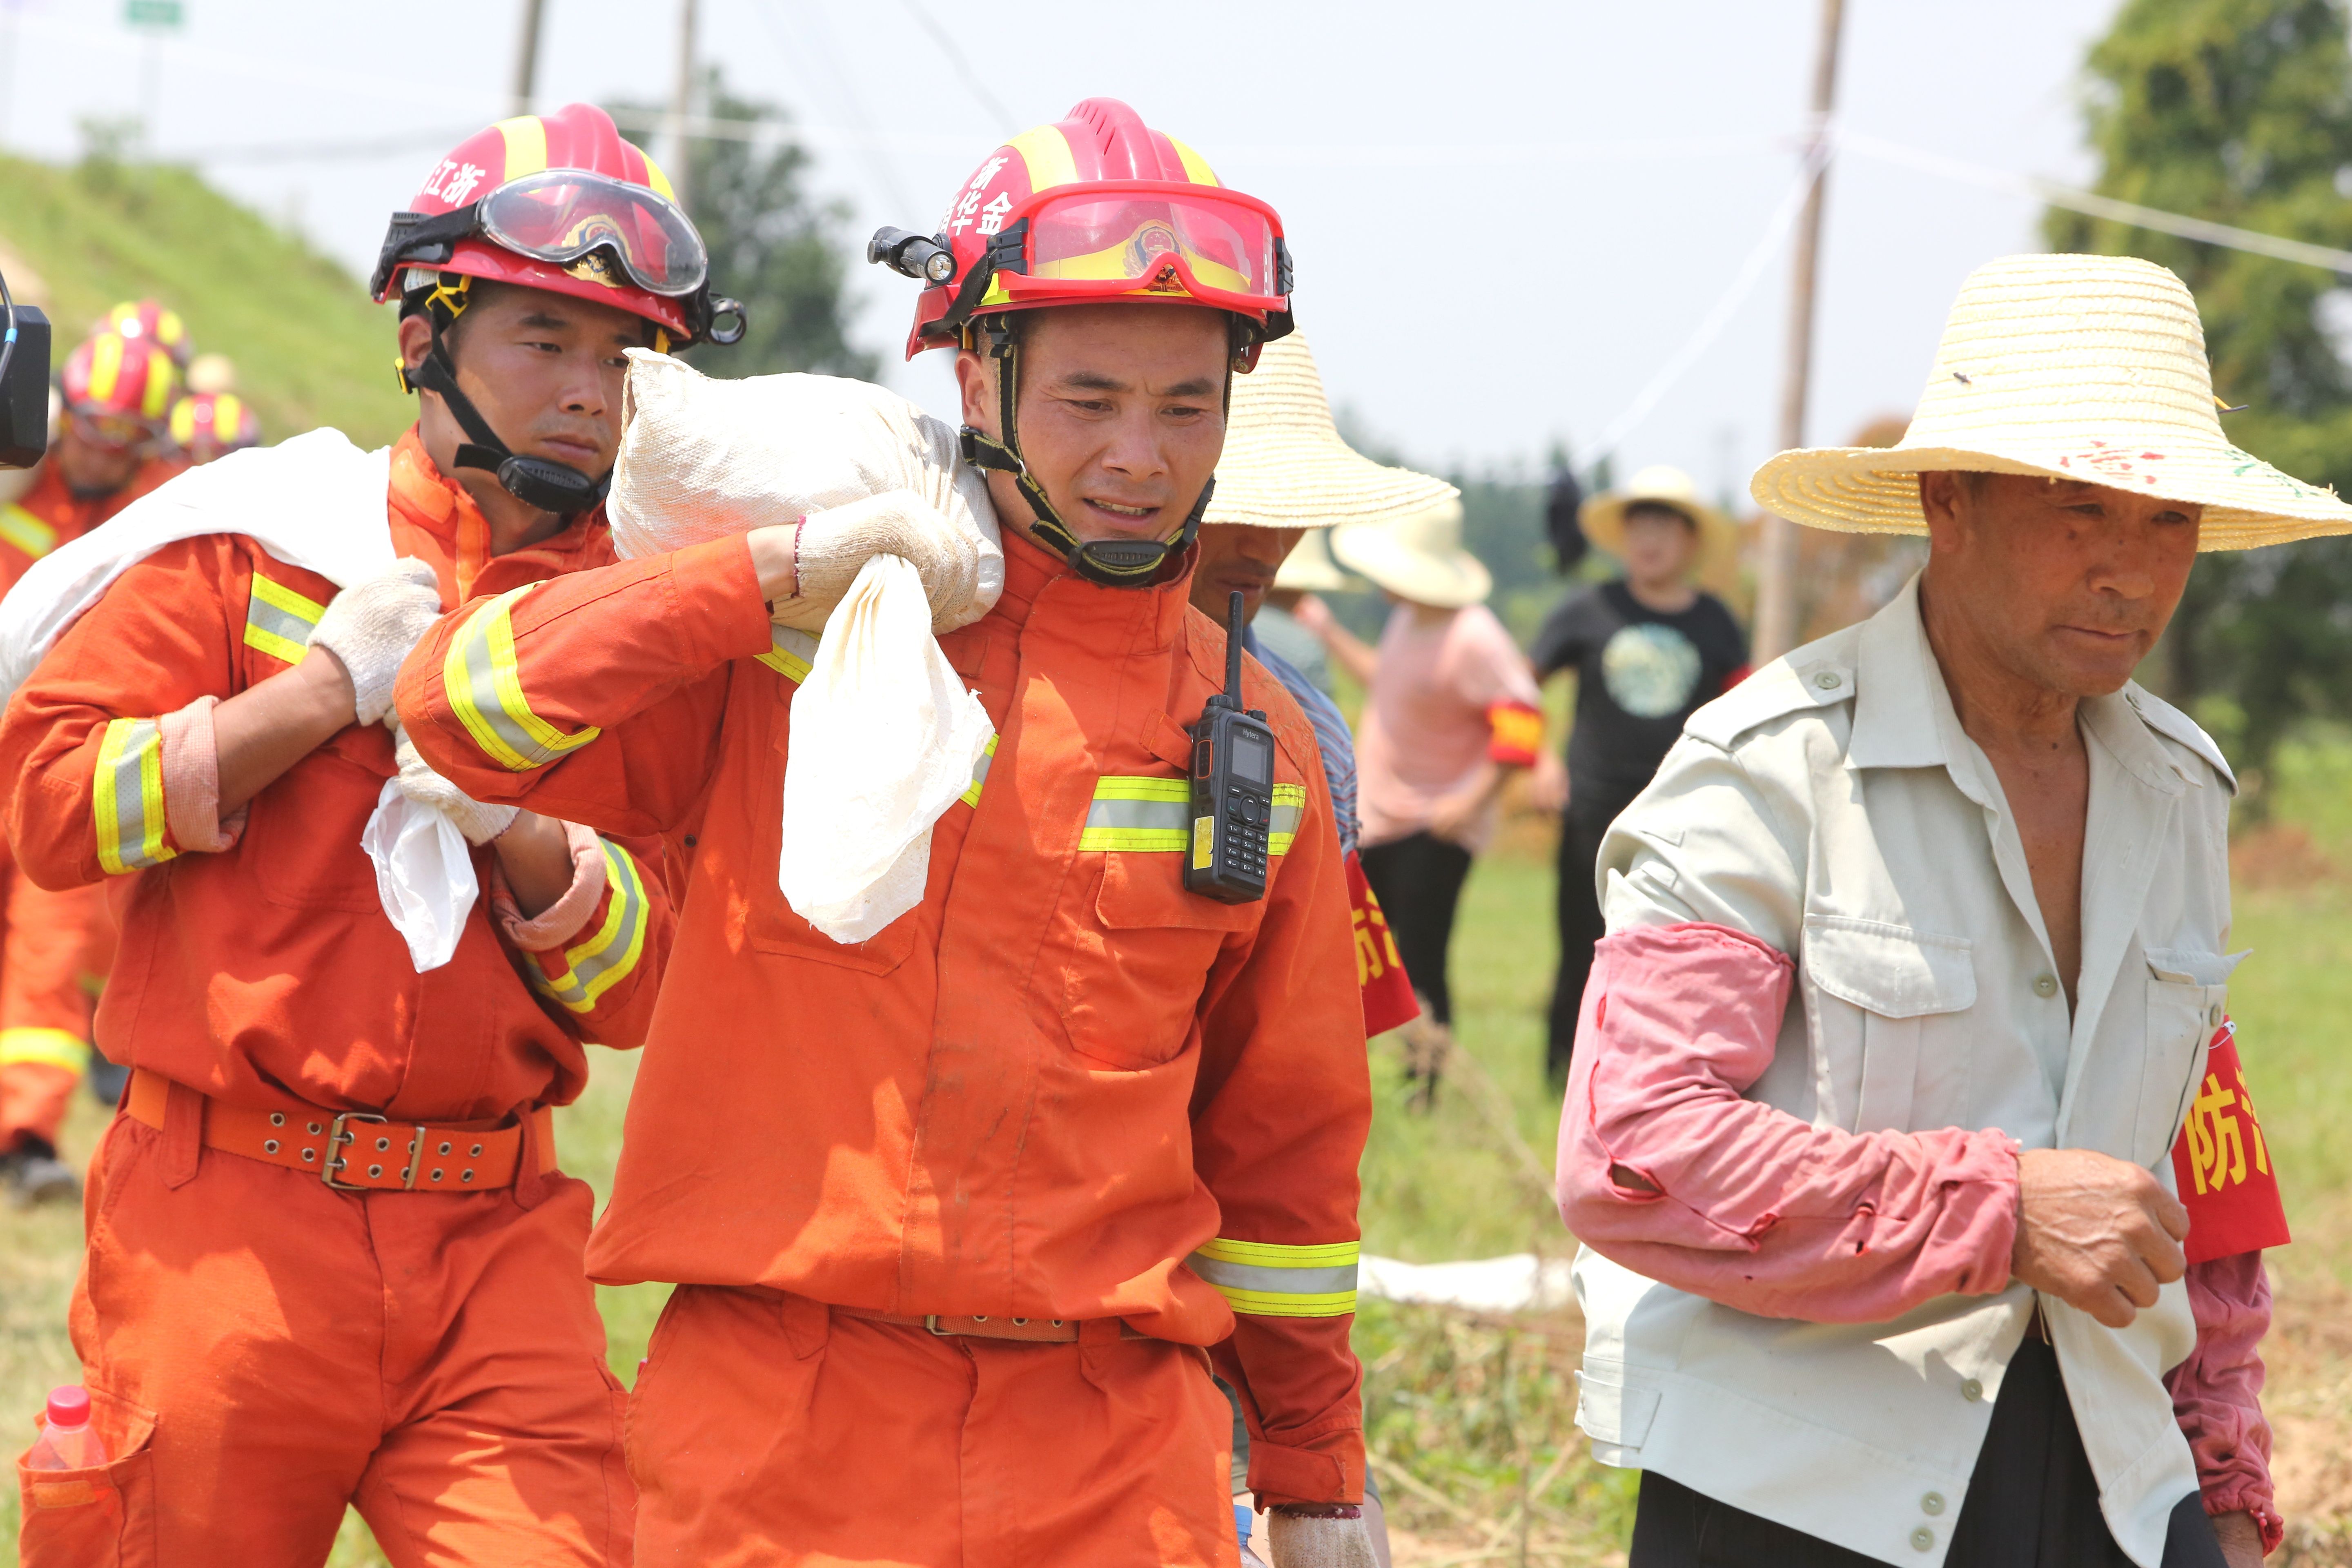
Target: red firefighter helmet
119, 388
207, 425
1100, 206
557, 202
156, 322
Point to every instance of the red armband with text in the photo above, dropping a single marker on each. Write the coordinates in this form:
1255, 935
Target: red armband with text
1380, 972
1514, 734
2222, 1162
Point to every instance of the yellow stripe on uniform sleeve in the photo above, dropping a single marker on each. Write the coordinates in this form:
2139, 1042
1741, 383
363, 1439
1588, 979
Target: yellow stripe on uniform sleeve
25, 531
278, 621
1267, 1279
608, 956
50, 1048
127, 797
485, 686
790, 653
979, 774
1151, 815
1289, 811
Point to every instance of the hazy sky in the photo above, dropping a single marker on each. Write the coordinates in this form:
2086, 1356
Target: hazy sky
1506, 215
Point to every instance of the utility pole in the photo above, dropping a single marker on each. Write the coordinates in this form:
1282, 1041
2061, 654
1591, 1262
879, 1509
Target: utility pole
681, 110
527, 56
1776, 575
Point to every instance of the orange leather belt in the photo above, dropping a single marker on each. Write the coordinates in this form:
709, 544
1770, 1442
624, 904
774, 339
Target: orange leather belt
356, 1150
1035, 1330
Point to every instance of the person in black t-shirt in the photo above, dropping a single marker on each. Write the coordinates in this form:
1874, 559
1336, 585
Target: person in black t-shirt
1647, 650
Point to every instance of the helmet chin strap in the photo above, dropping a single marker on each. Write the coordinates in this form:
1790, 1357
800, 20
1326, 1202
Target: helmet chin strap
539, 482
1113, 563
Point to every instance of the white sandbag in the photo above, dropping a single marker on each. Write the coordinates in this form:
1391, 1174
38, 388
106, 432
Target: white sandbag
884, 738
702, 459
314, 501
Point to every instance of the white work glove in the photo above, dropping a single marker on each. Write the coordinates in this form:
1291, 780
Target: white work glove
369, 627
1305, 1543
834, 544
478, 821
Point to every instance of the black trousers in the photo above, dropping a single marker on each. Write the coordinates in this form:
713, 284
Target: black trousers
1592, 807
2033, 1502
1418, 880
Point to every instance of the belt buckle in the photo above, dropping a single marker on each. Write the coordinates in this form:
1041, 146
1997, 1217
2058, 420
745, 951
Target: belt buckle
932, 1326
338, 1138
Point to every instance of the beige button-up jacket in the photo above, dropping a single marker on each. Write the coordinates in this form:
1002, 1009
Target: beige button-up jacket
1832, 807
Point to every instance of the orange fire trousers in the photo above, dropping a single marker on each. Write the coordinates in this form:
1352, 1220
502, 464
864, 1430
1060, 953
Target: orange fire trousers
262, 1349
767, 1429
54, 956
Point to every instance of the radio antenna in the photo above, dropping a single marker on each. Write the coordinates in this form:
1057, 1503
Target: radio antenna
1234, 628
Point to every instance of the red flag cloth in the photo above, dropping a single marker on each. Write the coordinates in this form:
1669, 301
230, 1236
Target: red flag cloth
2222, 1162
1388, 994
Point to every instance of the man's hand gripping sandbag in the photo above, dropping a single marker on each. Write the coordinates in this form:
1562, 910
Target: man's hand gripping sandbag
896, 540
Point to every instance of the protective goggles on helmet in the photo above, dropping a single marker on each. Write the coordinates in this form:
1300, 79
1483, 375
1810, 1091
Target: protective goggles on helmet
565, 217
1122, 236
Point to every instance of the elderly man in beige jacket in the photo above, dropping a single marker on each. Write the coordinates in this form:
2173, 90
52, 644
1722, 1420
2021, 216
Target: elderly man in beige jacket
1916, 945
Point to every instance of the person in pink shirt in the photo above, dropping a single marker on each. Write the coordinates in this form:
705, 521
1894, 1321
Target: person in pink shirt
1449, 715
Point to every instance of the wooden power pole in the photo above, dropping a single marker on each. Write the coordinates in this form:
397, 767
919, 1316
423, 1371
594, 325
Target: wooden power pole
527, 56
1776, 575
681, 110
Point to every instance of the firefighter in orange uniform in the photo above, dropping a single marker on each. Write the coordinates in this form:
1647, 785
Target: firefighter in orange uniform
332, 1257
987, 1193
113, 393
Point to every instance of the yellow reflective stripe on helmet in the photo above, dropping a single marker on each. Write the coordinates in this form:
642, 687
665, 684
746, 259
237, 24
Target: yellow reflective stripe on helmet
127, 799
50, 1048
1196, 168
1289, 811
526, 139
1153, 814
1045, 153
485, 686
1270, 1281
979, 774
155, 399
659, 181
105, 367
278, 621
790, 653
609, 956
25, 531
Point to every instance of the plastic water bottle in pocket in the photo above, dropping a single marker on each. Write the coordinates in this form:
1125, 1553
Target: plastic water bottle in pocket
67, 1441
1241, 1521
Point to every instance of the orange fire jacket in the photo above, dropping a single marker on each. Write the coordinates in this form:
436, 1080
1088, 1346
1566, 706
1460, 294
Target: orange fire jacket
268, 970
1062, 1086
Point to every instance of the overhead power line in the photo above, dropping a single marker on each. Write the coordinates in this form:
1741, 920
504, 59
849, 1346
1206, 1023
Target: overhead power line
959, 65
2203, 230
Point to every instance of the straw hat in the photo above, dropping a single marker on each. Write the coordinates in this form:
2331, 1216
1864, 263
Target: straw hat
1309, 569
1419, 557
1285, 465
2074, 367
1604, 517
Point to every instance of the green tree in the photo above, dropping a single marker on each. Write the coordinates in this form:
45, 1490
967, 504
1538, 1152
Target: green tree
772, 246
2241, 111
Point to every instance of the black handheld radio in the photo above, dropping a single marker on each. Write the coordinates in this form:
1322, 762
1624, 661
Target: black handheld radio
1233, 788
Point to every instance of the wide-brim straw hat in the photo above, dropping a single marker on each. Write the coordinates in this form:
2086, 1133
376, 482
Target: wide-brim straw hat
1418, 558
1604, 517
1309, 569
2068, 367
1285, 465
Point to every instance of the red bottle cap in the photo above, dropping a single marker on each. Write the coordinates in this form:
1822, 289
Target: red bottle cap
69, 1407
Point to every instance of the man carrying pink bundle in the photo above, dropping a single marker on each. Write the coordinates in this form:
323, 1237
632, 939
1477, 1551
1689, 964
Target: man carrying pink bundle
1918, 961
